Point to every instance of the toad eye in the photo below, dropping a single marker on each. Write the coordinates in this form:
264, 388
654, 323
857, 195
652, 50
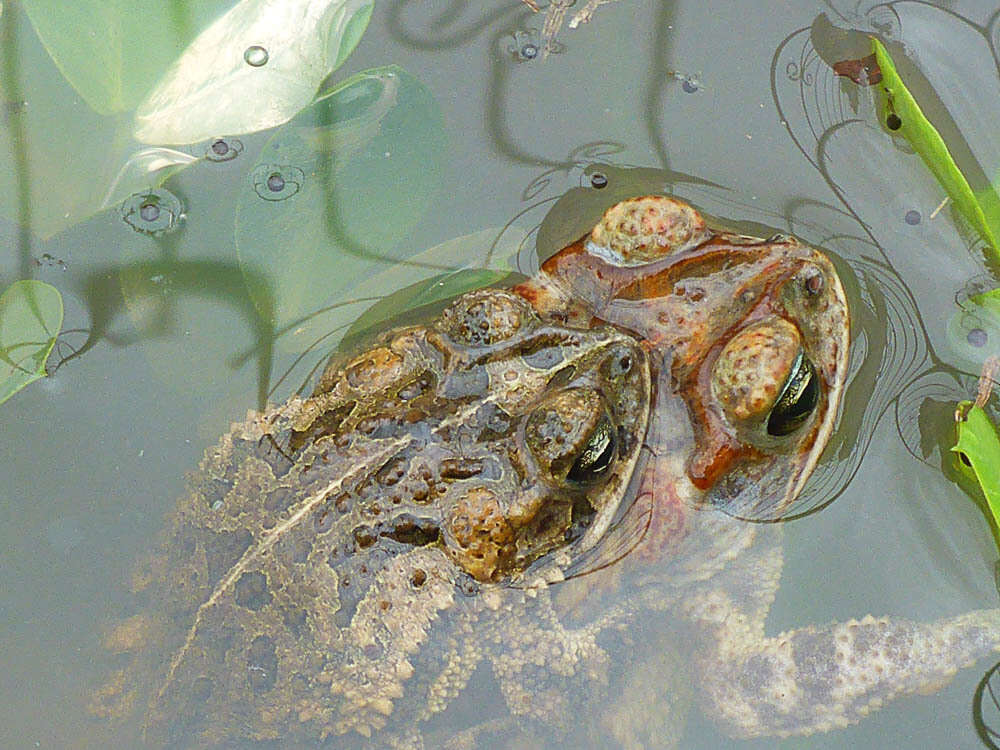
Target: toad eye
797, 400
597, 455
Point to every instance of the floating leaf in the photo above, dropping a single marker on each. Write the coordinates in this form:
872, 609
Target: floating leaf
904, 116
337, 193
113, 51
254, 68
31, 314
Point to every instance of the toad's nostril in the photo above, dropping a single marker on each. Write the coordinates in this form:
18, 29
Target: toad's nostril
814, 283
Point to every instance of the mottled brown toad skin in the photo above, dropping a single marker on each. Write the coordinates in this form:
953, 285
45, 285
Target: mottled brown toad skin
329, 551
271, 620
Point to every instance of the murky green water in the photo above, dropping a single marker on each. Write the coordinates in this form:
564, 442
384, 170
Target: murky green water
730, 104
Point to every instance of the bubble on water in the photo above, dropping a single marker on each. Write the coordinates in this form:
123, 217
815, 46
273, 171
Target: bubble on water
526, 44
690, 82
154, 212
274, 182
48, 260
224, 149
149, 212
912, 217
256, 56
977, 337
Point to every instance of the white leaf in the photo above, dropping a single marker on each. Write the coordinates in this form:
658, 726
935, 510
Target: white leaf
212, 90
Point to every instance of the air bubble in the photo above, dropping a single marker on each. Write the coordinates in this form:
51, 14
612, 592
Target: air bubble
224, 149
912, 218
154, 212
274, 182
149, 211
526, 44
977, 337
690, 82
256, 56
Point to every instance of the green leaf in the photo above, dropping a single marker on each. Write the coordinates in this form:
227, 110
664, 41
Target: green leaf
219, 87
914, 126
979, 448
113, 51
31, 314
336, 195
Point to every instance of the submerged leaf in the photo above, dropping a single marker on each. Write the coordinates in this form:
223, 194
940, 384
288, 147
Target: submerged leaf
904, 116
254, 68
112, 51
31, 314
335, 195
404, 288
61, 157
428, 292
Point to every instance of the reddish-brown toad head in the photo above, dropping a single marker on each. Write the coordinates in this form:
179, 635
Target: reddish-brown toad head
752, 335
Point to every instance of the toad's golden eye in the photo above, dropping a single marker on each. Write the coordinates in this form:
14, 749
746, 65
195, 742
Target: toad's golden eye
597, 455
797, 401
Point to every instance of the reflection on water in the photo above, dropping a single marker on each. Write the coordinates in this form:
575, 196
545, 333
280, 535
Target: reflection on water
173, 321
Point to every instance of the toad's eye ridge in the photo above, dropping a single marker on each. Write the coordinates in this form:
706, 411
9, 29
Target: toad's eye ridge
597, 455
797, 399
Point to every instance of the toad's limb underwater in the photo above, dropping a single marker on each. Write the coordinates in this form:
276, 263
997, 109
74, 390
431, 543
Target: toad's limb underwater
344, 564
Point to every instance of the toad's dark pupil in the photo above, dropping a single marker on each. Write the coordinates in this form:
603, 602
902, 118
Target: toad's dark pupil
597, 456
797, 399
